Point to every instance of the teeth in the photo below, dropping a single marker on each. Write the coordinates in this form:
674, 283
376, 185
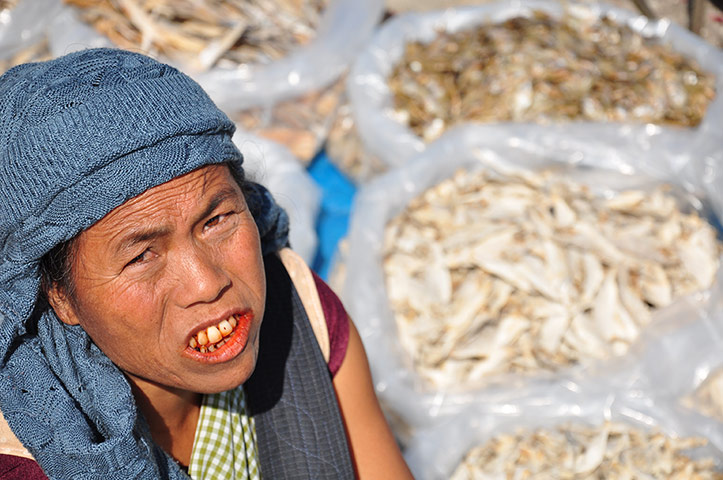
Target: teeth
214, 336
225, 328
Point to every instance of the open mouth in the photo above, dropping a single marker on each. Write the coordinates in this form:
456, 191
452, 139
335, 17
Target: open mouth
214, 337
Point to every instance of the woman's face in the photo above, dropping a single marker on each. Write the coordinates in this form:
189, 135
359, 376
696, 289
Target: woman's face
163, 277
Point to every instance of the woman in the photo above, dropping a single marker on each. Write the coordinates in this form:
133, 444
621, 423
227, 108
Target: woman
149, 326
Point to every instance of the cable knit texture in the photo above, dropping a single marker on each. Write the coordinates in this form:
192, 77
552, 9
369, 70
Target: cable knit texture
80, 135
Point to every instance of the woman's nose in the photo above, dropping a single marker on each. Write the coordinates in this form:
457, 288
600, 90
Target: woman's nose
202, 277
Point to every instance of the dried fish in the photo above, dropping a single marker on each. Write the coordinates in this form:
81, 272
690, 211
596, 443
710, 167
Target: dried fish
708, 397
521, 271
578, 451
200, 35
541, 69
8, 4
300, 124
346, 149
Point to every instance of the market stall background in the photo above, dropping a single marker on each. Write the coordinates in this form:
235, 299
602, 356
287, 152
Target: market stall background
339, 187
299, 132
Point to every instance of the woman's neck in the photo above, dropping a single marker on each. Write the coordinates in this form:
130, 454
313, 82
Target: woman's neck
172, 416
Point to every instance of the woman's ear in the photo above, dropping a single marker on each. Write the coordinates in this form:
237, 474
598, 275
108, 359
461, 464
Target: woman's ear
61, 304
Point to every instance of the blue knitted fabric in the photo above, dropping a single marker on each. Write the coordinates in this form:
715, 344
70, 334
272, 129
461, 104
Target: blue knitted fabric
80, 135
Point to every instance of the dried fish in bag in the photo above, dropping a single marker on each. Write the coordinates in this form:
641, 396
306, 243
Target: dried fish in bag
471, 288
7, 4
496, 272
588, 429
346, 150
270, 64
539, 62
708, 397
200, 35
301, 124
579, 451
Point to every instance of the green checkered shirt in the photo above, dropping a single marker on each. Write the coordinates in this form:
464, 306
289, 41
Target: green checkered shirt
224, 447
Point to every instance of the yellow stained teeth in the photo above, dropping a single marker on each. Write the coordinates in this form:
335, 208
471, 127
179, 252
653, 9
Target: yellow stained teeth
225, 328
214, 335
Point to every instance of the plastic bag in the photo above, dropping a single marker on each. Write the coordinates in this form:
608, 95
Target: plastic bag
275, 167
435, 452
290, 100
399, 387
394, 142
22, 27
681, 360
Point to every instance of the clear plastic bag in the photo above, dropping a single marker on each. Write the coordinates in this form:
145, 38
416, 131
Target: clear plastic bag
275, 167
394, 143
435, 452
682, 359
399, 386
22, 28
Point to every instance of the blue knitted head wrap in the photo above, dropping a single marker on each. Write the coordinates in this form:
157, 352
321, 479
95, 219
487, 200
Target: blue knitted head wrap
80, 135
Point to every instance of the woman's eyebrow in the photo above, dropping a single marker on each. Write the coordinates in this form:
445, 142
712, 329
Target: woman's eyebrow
140, 236
217, 199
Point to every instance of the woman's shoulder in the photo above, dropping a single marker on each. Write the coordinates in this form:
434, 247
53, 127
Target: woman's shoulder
16, 463
325, 310
13, 467
337, 323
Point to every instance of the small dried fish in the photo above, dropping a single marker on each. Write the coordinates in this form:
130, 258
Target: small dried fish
300, 124
521, 271
577, 451
37, 52
540, 69
200, 35
8, 4
708, 397
346, 149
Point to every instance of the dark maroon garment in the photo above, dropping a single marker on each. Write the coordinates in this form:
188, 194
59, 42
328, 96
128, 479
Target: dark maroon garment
337, 322
19, 468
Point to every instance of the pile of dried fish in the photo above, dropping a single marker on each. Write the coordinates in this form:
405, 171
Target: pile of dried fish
7, 4
708, 398
541, 69
521, 271
37, 52
346, 149
575, 451
300, 124
203, 34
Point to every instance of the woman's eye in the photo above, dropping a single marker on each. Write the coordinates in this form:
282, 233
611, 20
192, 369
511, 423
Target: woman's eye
141, 258
214, 221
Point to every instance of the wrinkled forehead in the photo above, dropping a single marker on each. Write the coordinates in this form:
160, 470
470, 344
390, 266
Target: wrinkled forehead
176, 197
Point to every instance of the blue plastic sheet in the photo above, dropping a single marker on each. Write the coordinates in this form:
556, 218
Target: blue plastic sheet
336, 202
